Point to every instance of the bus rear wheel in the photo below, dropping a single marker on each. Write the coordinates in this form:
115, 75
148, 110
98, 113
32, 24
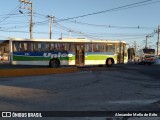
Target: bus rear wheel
54, 63
109, 62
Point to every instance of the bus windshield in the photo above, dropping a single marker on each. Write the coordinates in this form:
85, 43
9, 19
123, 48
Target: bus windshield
149, 51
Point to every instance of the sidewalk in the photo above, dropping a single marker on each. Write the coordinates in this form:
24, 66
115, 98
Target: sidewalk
158, 61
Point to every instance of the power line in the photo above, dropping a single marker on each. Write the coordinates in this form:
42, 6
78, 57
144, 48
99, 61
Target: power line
97, 25
15, 9
111, 26
40, 15
13, 27
41, 22
114, 9
4, 16
12, 22
101, 35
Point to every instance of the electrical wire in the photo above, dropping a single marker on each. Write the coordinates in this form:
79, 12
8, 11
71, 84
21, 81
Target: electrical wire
98, 35
146, 2
102, 26
110, 26
14, 10
3, 16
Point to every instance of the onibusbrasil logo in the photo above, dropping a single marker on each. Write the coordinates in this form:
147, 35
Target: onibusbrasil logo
20, 114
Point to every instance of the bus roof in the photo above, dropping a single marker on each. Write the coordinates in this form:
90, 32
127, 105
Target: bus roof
1, 41
83, 40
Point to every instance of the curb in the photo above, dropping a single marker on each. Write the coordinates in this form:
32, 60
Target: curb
35, 71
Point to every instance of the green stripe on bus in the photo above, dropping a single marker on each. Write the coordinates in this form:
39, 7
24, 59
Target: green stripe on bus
98, 57
28, 58
89, 57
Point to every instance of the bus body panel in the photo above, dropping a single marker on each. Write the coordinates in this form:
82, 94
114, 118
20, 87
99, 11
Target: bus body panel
42, 58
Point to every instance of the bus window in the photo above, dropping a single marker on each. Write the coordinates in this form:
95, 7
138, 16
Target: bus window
88, 47
71, 47
29, 46
35, 47
47, 47
98, 47
39, 46
101, 48
42, 46
15, 46
149, 51
110, 48
24, 47
95, 47
65, 47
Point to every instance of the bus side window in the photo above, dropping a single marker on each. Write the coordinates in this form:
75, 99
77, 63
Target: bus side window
71, 47
101, 48
94, 47
88, 47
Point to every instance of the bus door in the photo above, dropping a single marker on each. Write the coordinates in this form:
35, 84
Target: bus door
79, 54
120, 56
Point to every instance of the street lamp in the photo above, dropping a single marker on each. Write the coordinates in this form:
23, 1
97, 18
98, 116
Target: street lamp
24, 15
22, 0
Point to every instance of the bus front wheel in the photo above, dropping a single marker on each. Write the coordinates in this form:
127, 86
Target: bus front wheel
54, 63
109, 62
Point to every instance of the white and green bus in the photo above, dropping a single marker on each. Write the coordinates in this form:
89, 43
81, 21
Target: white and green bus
78, 52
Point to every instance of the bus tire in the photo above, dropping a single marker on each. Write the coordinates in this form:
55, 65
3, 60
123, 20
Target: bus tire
109, 62
54, 63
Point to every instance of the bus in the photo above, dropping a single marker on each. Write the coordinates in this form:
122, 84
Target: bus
66, 51
145, 56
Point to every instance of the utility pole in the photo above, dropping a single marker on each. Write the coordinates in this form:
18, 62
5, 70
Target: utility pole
61, 35
146, 46
146, 41
51, 24
70, 33
135, 45
31, 15
158, 40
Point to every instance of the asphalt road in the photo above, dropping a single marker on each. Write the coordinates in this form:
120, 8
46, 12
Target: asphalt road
119, 88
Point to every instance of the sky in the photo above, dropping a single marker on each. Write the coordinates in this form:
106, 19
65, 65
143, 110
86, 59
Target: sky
129, 23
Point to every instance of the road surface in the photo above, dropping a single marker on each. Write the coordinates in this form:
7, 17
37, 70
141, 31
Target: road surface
119, 88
